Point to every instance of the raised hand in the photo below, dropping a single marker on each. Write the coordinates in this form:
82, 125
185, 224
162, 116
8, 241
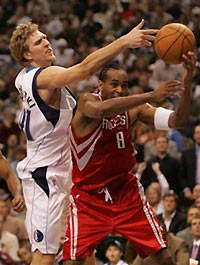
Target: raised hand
156, 168
189, 63
141, 167
138, 38
170, 88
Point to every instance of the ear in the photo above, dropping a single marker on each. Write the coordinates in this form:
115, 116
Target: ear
100, 85
27, 55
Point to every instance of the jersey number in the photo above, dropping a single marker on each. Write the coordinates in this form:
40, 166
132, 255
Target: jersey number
25, 121
120, 140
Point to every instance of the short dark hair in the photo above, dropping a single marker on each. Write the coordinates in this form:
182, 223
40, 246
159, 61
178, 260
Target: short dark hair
115, 243
171, 193
111, 65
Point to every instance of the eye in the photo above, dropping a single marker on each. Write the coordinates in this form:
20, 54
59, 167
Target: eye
114, 84
125, 85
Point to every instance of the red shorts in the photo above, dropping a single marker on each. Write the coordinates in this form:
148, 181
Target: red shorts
95, 215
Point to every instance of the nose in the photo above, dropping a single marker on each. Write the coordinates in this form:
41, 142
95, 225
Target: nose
119, 89
46, 42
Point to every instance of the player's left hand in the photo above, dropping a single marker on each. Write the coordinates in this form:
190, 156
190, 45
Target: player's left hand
18, 203
189, 61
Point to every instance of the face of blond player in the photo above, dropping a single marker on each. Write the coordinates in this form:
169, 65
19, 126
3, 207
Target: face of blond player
113, 254
115, 85
40, 53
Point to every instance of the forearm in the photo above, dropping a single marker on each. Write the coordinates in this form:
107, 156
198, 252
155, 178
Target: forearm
114, 106
179, 118
163, 182
13, 184
96, 60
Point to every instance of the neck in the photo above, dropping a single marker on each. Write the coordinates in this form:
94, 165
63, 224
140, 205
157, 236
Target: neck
161, 155
168, 214
114, 262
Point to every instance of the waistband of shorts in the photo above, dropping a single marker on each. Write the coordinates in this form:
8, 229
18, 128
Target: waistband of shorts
112, 191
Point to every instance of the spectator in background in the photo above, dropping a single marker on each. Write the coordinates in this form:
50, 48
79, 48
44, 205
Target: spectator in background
114, 253
14, 225
173, 219
177, 247
195, 231
150, 147
3, 91
191, 165
64, 55
162, 71
153, 194
10, 147
169, 166
8, 242
19, 155
25, 256
197, 202
193, 212
8, 126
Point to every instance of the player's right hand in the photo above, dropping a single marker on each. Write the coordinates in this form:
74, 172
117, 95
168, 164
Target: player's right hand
18, 203
171, 88
138, 37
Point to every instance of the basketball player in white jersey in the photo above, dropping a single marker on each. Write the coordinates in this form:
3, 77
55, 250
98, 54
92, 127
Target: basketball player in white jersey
46, 116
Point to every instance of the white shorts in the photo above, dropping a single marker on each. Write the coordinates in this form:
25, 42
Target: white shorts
45, 190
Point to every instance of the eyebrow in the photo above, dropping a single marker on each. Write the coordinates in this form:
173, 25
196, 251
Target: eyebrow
40, 38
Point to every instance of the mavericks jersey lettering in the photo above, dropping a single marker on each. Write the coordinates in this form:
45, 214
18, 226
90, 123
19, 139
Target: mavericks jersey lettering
46, 128
106, 154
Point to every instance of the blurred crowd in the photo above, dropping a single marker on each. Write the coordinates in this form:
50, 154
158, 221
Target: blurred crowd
168, 162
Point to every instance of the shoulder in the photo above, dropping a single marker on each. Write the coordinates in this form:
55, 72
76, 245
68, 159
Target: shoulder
89, 97
188, 152
180, 242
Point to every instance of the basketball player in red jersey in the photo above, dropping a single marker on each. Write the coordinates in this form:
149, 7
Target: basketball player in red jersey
106, 197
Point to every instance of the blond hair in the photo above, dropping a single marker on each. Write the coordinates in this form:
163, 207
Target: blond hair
18, 42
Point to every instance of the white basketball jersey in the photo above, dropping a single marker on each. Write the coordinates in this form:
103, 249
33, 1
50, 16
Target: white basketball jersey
46, 128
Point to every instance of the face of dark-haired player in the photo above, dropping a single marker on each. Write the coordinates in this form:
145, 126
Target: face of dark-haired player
115, 85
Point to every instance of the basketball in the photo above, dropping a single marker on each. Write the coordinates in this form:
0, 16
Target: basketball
172, 41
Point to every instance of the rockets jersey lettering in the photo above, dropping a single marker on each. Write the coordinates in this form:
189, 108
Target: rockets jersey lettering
46, 128
106, 154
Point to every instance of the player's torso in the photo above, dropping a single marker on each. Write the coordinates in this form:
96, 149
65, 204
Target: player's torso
103, 155
46, 128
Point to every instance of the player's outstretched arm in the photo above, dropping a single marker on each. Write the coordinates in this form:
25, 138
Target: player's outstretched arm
55, 77
91, 106
164, 119
13, 183
179, 117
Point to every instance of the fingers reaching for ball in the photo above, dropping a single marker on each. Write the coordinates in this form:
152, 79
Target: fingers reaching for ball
189, 61
138, 38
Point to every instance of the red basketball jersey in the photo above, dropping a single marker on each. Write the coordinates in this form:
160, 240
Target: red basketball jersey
105, 155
